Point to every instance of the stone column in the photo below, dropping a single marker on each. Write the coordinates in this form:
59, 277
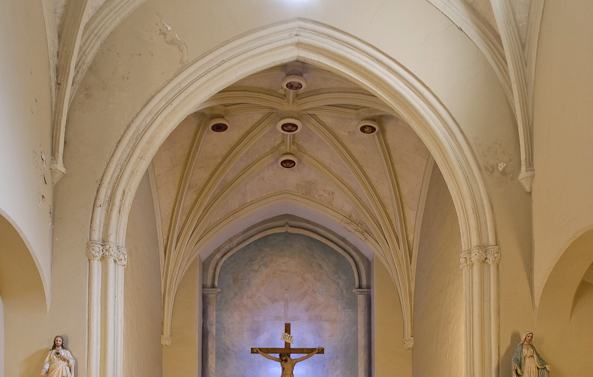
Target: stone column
121, 263
493, 259
108, 340
364, 332
94, 253
478, 257
465, 262
209, 332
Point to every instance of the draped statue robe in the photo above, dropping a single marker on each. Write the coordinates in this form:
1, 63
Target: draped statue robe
528, 368
57, 367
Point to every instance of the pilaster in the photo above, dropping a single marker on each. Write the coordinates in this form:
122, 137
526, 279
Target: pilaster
364, 332
209, 332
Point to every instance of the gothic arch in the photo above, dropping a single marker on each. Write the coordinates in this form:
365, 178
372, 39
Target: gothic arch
556, 300
335, 51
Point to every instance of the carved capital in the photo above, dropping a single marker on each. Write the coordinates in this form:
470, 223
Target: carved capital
94, 250
165, 341
110, 250
409, 342
465, 259
478, 255
122, 256
493, 255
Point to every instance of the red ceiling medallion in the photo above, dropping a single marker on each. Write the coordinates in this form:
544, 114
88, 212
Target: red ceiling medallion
288, 161
219, 124
294, 83
289, 126
367, 127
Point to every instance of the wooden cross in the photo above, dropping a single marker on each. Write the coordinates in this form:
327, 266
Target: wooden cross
287, 350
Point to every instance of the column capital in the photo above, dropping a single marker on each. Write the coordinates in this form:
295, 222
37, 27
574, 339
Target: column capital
110, 250
362, 291
210, 291
493, 254
465, 259
94, 250
478, 255
165, 341
409, 342
122, 256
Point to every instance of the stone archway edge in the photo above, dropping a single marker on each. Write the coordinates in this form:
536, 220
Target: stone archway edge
301, 40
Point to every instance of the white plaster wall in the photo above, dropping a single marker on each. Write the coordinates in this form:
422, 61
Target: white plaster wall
439, 324
182, 358
25, 127
142, 290
388, 328
562, 200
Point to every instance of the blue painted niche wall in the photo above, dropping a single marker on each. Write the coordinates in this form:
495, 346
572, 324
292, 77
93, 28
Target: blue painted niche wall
282, 278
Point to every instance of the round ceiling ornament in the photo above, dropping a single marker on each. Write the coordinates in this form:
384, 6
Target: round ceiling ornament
367, 127
289, 126
219, 124
294, 83
288, 161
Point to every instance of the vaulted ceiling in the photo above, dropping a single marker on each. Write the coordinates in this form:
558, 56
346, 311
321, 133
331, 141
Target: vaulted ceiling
372, 181
370, 184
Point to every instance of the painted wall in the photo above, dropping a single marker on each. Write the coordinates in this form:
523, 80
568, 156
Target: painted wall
562, 200
388, 349
25, 128
182, 358
299, 280
438, 298
142, 290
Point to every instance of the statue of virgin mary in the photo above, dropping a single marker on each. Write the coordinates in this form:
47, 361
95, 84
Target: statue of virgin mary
526, 360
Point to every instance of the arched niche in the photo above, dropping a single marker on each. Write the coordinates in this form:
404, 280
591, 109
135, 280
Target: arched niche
563, 316
358, 263
558, 295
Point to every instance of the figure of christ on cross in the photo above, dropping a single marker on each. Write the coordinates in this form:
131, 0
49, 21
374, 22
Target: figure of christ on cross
285, 361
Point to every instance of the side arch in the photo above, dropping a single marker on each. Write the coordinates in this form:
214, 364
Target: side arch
22, 303
325, 47
556, 301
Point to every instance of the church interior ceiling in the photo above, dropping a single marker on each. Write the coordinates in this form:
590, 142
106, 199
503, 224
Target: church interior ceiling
203, 177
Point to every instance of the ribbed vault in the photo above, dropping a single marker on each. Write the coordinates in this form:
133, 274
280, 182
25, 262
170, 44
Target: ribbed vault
369, 184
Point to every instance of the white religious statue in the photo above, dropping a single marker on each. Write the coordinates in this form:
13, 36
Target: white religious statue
286, 362
59, 361
526, 360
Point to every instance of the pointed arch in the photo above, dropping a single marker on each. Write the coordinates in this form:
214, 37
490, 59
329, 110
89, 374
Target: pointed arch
318, 45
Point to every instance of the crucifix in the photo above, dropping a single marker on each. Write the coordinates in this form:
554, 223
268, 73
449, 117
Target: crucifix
285, 361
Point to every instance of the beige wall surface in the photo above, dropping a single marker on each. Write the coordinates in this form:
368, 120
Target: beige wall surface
26, 340
25, 128
182, 357
439, 317
563, 118
388, 330
142, 290
567, 345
